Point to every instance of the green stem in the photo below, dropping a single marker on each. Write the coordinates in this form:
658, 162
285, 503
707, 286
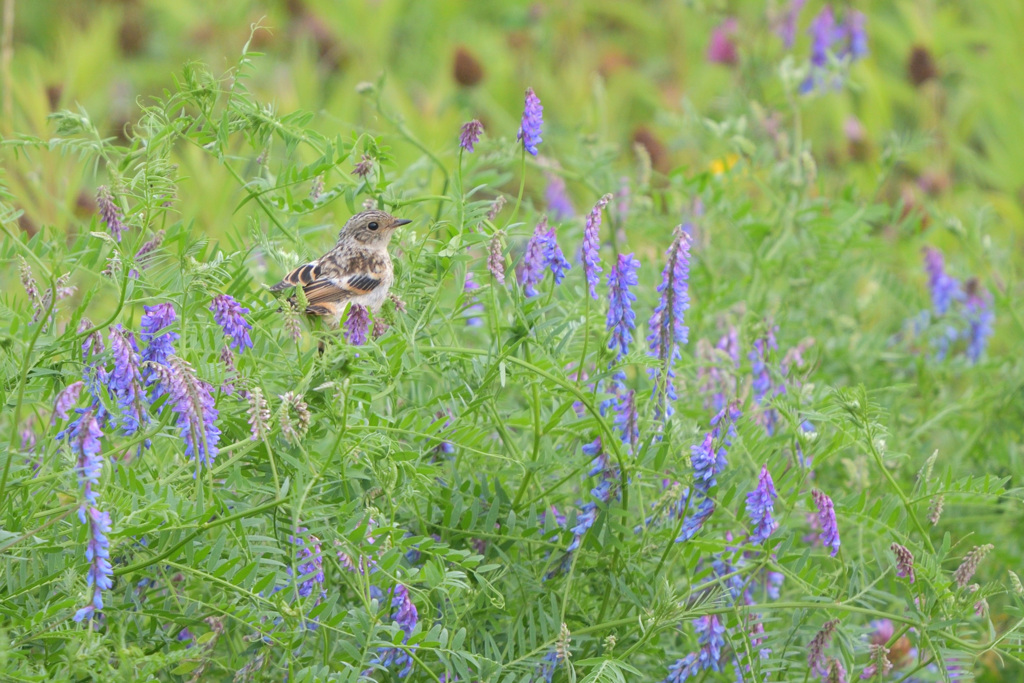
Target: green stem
22, 381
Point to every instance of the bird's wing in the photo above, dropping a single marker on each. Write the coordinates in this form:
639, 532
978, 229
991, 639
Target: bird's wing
300, 277
329, 282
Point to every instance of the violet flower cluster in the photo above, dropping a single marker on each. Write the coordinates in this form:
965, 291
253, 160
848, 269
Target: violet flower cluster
125, 383
605, 490
357, 325
762, 380
110, 212
827, 521
470, 134
761, 507
826, 34
475, 309
711, 638
406, 617
230, 315
718, 369
961, 312
621, 318
708, 459
542, 254
592, 245
192, 399
668, 323
533, 121
557, 198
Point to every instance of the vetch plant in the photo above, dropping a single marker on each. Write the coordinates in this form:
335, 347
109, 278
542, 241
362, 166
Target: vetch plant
490, 478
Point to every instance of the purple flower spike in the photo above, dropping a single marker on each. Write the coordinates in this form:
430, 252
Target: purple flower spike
761, 506
559, 204
626, 418
904, 561
85, 438
533, 120
856, 34
110, 213
357, 324
786, 28
125, 382
496, 258
827, 520
980, 320
100, 576
711, 636
683, 670
945, 288
476, 309
66, 400
535, 259
621, 318
228, 313
192, 399
824, 35
668, 323
470, 134
592, 244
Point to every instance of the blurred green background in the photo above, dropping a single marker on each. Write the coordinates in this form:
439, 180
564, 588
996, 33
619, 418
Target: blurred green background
940, 76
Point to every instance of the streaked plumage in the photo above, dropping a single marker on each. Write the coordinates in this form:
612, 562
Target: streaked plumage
357, 270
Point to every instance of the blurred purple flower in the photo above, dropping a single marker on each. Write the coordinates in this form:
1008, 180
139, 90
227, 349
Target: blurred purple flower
100, 576
816, 649
110, 212
668, 323
592, 244
626, 419
761, 506
980, 320
827, 519
229, 314
357, 324
824, 35
363, 167
855, 28
535, 259
762, 380
945, 289
786, 28
533, 121
470, 134
621, 318
142, 255
559, 205
406, 617
683, 669
474, 310
310, 564
66, 400
722, 48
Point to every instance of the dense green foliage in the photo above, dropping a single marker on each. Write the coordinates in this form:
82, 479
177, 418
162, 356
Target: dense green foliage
435, 460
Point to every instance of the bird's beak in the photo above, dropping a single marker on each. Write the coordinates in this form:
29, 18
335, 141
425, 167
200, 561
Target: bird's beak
400, 222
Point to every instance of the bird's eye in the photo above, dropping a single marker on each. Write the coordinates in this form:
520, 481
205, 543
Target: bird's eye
373, 225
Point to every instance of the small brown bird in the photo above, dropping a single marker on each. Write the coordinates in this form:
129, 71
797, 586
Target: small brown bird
357, 270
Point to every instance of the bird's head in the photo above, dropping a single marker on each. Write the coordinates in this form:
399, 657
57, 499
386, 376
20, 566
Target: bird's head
371, 227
